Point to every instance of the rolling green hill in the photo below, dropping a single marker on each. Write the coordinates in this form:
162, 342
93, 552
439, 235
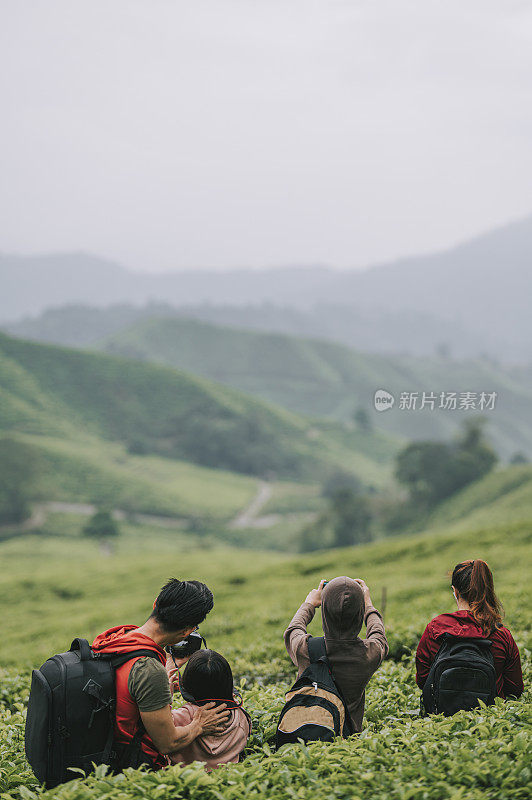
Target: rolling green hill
309, 376
325, 379
85, 412
90, 470
152, 439
502, 496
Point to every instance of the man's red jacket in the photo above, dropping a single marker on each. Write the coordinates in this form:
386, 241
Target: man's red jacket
125, 639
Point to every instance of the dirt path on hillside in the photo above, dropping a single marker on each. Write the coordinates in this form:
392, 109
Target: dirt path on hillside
42, 510
249, 516
86, 509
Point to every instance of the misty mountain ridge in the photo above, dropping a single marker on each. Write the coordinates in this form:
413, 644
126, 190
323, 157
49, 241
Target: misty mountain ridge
472, 298
305, 375
368, 331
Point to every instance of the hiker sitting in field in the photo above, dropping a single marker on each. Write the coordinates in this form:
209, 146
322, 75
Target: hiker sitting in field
208, 679
477, 656
345, 606
145, 732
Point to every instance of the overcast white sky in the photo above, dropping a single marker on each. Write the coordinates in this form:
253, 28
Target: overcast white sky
170, 134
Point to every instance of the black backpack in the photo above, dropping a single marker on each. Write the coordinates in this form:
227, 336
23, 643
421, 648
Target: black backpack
462, 674
71, 715
315, 709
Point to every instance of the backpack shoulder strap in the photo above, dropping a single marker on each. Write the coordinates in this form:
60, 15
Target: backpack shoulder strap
86, 653
316, 649
132, 750
84, 648
120, 659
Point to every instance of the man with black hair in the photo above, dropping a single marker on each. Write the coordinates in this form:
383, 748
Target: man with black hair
144, 731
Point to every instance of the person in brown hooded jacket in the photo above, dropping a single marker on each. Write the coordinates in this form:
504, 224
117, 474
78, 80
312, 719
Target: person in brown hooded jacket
345, 606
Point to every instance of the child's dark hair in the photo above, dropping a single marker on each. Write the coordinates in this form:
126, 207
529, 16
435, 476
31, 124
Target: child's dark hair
474, 582
182, 604
208, 676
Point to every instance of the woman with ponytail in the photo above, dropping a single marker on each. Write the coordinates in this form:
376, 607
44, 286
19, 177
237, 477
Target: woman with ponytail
479, 615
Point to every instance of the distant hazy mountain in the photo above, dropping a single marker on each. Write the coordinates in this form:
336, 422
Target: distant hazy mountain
31, 284
402, 332
81, 326
474, 297
370, 330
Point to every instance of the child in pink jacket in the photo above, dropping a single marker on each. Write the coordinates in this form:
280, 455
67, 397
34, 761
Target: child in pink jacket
208, 678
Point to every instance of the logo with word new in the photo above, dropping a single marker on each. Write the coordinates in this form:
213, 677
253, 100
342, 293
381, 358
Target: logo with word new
383, 400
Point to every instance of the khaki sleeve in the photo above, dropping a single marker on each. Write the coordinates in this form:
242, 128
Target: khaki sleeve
296, 636
148, 684
375, 635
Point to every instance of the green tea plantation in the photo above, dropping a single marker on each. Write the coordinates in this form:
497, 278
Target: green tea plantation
52, 592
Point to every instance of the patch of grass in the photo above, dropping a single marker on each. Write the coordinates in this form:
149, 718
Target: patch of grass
291, 497
57, 589
504, 495
95, 471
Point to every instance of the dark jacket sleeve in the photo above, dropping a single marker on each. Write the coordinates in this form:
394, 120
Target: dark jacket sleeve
513, 675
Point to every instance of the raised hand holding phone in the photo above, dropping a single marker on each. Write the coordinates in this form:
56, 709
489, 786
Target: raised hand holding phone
365, 588
314, 596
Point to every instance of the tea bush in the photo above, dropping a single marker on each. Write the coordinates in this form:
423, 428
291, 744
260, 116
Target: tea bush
398, 755
485, 754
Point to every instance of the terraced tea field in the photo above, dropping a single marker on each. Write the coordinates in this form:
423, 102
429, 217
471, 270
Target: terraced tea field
51, 594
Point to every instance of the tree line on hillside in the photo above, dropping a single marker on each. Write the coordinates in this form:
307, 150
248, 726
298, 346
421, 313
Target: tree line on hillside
222, 438
429, 472
21, 468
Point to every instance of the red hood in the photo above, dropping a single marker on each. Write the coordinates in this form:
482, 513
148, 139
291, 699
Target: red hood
460, 623
125, 639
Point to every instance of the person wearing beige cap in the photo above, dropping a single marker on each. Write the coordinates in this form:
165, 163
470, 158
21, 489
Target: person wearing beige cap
345, 606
